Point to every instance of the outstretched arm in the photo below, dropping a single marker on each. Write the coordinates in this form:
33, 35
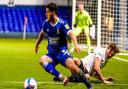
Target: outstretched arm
74, 39
99, 75
40, 38
105, 78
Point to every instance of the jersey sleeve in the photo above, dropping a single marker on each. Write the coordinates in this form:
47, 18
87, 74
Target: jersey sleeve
66, 28
76, 19
98, 53
89, 20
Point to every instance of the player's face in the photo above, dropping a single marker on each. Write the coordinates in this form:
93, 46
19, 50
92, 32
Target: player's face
49, 14
109, 53
81, 7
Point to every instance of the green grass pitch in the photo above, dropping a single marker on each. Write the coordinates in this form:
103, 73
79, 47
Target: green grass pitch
18, 61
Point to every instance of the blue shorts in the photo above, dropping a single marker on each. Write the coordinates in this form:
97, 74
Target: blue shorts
59, 57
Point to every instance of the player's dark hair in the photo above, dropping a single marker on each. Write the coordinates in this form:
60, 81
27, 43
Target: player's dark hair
81, 3
114, 47
52, 7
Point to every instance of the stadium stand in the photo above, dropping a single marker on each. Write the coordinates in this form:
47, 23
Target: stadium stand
12, 18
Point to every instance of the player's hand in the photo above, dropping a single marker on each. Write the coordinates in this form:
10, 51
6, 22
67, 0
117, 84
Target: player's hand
77, 49
36, 49
110, 79
107, 82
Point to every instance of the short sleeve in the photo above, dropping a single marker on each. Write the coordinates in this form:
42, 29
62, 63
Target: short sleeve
66, 28
98, 53
76, 18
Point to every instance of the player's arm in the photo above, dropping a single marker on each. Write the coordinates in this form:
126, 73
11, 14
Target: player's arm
66, 29
74, 40
97, 69
75, 20
94, 74
40, 38
89, 20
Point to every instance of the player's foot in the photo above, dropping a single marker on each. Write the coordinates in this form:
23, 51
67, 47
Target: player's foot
65, 81
56, 79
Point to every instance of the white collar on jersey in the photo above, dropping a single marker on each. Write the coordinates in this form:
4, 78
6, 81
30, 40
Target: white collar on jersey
55, 23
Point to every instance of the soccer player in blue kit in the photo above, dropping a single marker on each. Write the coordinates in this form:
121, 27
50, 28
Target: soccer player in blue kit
56, 30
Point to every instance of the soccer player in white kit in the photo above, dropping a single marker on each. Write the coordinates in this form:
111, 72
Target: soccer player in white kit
94, 62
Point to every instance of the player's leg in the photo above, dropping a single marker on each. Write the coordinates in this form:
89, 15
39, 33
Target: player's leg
49, 64
76, 32
66, 60
88, 41
73, 67
77, 61
75, 77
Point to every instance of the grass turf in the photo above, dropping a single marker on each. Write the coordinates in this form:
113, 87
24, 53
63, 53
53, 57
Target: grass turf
18, 61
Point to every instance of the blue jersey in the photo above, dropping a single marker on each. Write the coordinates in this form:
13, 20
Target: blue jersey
56, 34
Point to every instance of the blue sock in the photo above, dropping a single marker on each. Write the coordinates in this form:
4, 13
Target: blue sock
50, 69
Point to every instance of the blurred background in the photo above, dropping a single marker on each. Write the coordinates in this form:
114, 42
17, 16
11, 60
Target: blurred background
21, 21
24, 18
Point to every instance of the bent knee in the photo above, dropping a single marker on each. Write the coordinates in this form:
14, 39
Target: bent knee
72, 66
44, 59
41, 60
74, 69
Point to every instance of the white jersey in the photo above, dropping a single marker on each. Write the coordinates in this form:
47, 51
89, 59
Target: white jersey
88, 61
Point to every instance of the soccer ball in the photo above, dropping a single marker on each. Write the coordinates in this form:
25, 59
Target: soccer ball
30, 83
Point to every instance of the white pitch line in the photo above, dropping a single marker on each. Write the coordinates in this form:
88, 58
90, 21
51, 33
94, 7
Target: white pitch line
37, 82
121, 59
123, 54
122, 84
60, 83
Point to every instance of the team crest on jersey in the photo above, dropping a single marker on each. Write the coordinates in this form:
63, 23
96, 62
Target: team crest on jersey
47, 30
58, 31
66, 26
